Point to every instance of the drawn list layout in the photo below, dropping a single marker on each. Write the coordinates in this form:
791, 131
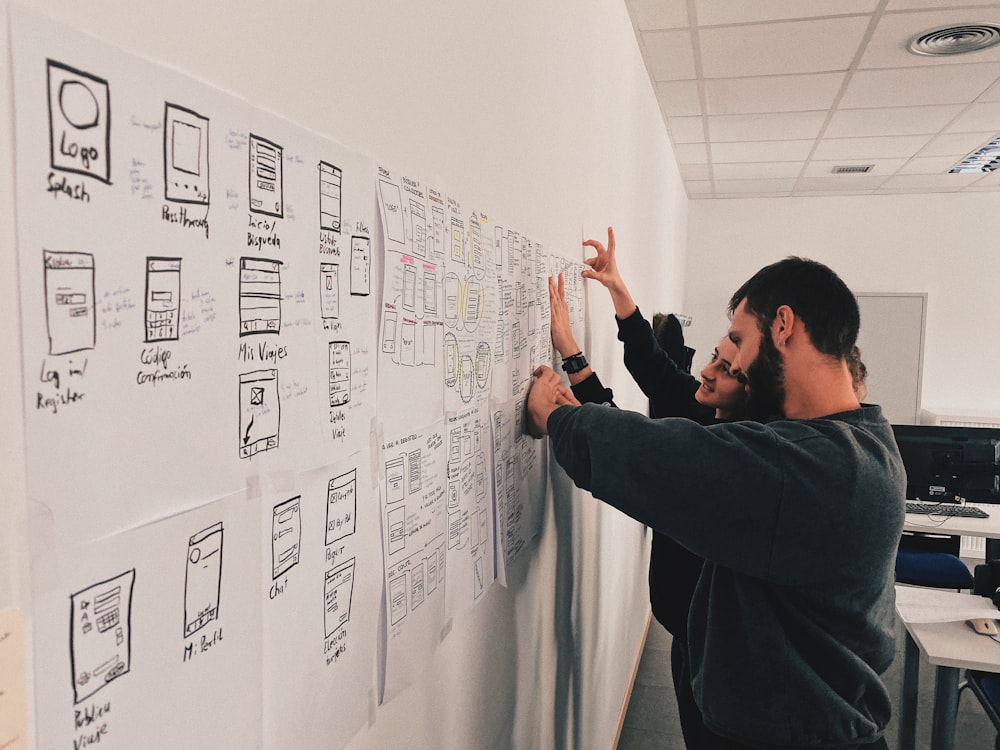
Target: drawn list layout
416, 236
469, 509
413, 479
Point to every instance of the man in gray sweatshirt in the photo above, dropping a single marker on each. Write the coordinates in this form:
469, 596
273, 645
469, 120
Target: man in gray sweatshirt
797, 517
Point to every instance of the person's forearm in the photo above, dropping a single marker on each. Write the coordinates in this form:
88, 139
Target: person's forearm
621, 298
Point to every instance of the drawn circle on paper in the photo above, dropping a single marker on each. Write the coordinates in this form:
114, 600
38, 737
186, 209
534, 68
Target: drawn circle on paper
195, 555
78, 104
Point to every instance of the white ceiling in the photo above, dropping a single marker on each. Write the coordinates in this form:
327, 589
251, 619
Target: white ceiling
766, 97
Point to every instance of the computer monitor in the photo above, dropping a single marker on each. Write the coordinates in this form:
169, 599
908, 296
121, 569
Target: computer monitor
946, 464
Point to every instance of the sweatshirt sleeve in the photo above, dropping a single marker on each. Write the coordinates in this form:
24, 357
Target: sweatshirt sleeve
669, 389
702, 486
783, 501
592, 391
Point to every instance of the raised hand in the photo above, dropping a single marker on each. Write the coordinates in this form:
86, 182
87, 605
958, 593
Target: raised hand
604, 269
562, 336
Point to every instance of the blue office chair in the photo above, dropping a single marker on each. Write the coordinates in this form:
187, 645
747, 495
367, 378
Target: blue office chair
932, 560
986, 687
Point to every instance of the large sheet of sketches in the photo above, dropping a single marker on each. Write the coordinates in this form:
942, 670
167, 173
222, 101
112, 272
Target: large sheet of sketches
413, 479
186, 262
471, 553
151, 638
416, 235
523, 342
321, 592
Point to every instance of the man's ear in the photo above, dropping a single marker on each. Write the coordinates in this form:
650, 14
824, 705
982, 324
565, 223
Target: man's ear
783, 326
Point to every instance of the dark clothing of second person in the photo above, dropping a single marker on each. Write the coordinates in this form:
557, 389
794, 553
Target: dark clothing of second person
673, 570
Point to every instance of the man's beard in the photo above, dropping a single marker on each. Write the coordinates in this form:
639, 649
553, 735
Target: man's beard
766, 378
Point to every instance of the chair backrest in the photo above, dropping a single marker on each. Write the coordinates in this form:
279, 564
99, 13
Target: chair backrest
924, 542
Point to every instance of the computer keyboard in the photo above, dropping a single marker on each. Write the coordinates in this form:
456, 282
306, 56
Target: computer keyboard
946, 509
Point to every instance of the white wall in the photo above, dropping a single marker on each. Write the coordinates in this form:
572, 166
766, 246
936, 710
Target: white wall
942, 244
542, 111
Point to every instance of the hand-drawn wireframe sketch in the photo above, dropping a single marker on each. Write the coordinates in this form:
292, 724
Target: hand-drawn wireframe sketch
397, 598
163, 299
396, 528
70, 311
410, 311
185, 155
361, 266
338, 590
260, 412
329, 291
417, 585
392, 211
100, 647
394, 479
418, 225
437, 235
203, 579
340, 372
330, 182
341, 507
79, 122
260, 296
266, 177
472, 295
286, 536
457, 239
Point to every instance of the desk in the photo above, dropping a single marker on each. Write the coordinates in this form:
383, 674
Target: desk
949, 646
961, 526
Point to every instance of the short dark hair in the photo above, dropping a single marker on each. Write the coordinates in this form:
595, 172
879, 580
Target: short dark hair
817, 296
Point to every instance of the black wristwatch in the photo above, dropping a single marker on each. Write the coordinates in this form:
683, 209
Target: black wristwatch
574, 363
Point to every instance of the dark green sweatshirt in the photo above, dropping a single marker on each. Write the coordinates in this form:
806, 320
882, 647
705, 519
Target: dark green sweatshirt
793, 620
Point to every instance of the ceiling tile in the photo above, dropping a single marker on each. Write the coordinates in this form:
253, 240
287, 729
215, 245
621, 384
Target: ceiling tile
696, 172
928, 165
992, 179
757, 170
776, 127
955, 144
880, 168
832, 149
851, 123
695, 187
798, 93
686, 129
840, 182
992, 94
947, 84
712, 12
754, 186
887, 48
781, 48
977, 118
761, 151
930, 181
669, 55
933, 4
657, 14
678, 98
691, 153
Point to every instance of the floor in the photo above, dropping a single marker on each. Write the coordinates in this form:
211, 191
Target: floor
651, 719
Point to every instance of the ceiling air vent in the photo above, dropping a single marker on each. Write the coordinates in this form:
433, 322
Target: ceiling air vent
955, 40
854, 169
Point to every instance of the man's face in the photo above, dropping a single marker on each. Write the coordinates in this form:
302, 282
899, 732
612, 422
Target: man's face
759, 360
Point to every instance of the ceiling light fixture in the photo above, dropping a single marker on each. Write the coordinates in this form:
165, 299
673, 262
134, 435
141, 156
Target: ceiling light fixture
955, 40
985, 159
